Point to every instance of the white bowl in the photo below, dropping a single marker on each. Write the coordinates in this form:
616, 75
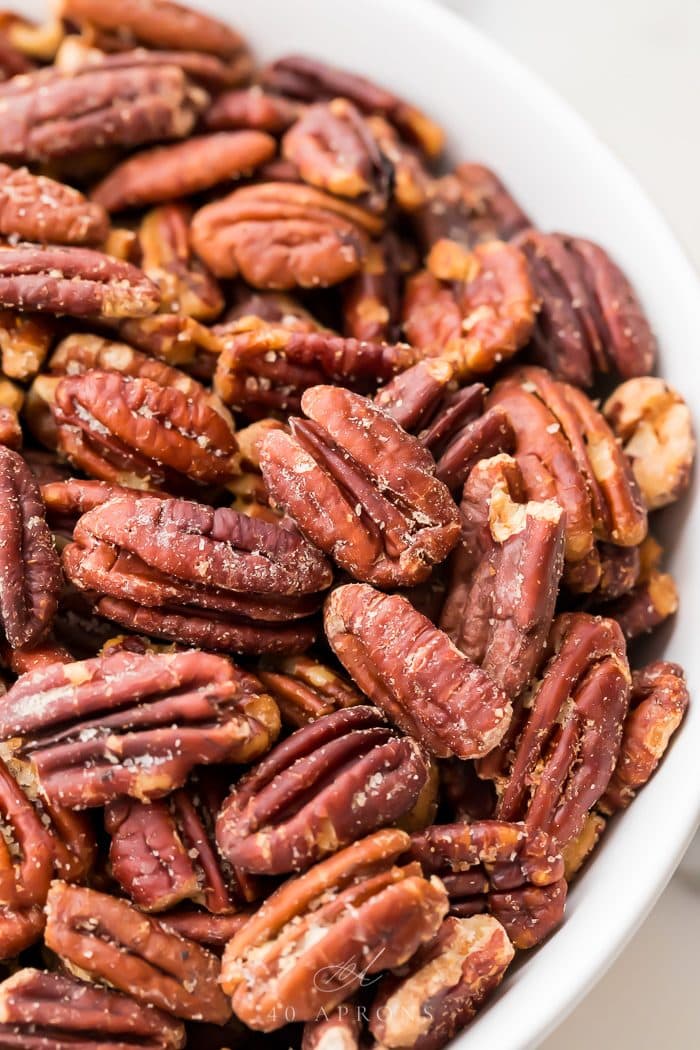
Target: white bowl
497, 112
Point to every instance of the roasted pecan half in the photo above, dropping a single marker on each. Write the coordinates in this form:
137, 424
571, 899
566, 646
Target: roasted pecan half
446, 983
75, 281
30, 575
558, 757
109, 940
51, 1011
281, 235
134, 723
330, 783
414, 673
313, 941
658, 703
66, 501
505, 574
34, 208
653, 422
361, 489
251, 109
305, 690
513, 872
650, 602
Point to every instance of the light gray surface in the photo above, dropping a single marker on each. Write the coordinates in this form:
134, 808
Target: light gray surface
632, 69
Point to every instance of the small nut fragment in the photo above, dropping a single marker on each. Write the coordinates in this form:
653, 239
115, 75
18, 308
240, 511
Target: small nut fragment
337, 1030
306, 690
25, 340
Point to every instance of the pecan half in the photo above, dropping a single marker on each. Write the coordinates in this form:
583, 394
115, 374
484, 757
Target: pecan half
446, 983
361, 489
251, 109
306, 690
330, 783
372, 299
505, 575
51, 1011
414, 673
25, 340
658, 703
35, 208
134, 723
513, 872
281, 235
66, 501
492, 212
653, 422
311, 943
109, 940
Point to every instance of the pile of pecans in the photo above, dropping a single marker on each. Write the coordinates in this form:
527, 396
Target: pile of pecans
325, 486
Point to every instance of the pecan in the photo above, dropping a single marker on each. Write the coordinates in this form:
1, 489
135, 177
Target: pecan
185, 571
372, 299
265, 368
653, 422
12, 62
10, 428
578, 850
492, 213
311, 80
35, 208
75, 281
251, 109
57, 116
133, 724
505, 575
29, 569
330, 783
590, 318
281, 235
361, 489
306, 690
333, 148
51, 1011
311, 943
167, 172
109, 940
620, 569
513, 872
213, 931
477, 309
446, 983
66, 501
658, 703
414, 673
338, 1030
177, 338
650, 602
25, 340
560, 753
38, 41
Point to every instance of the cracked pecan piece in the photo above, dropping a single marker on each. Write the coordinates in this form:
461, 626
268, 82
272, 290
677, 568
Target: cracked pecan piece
35, 208
515, 873
306, 690
79, 282
109, 940
655, 427
182, 169
658, 703
279, 235
308, 946
25, 340
557, 759
579, 849
505, 574
198, 575
133, 723
446, 983
251, 109
344, 776
414, 673
30, 575
361, 489
51, 1011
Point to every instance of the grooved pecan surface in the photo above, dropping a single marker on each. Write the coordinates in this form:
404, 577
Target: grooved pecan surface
35, 208
413, 672
252, 109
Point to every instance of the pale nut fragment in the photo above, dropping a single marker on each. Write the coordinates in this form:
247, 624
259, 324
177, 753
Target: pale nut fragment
339, 1029
25, 340
654, 424
578, 850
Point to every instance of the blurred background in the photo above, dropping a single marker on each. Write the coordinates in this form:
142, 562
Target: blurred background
632, 69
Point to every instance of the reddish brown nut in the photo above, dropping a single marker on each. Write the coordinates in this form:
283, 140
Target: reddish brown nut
515, 873
446, 983
414, 673
66, 501
280, 235
177, 338
134, 724
658, 704
30, 575
361, 489
505, 575
59, 116
51, 1011
252, 109
306, 690
310, 80
372, 299
75, 281
167, 172
644, 608
212, 931
492, 212
620, 569
25, 340
476, 308
313, 941
34, 208
337, 1030
653, 422
12, 62
560, 753
266, 368
10, 428
329, 784
108, 940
